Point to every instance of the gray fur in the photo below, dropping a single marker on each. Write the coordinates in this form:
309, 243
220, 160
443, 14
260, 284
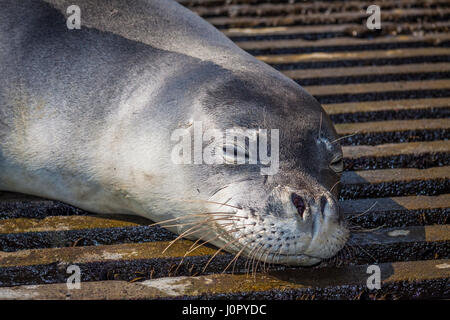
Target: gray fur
86, 117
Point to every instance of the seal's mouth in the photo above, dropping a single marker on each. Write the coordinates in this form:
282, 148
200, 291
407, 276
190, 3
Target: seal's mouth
292, 228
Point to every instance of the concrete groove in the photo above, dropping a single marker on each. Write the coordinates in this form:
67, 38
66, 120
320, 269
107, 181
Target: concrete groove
319, 18
368, 70
355, 55
326, 31
433, 38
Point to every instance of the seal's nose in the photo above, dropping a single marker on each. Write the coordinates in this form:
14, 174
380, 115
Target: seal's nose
298, 203
330, 207
323, 204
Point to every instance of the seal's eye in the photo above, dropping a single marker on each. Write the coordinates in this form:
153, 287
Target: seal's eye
233, 154
337, 165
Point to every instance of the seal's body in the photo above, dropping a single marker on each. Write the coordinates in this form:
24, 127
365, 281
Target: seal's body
86, 117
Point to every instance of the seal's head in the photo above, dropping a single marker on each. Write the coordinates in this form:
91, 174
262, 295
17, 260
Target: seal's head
285, 212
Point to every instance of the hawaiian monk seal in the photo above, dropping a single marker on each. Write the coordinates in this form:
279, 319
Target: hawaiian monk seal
87, 117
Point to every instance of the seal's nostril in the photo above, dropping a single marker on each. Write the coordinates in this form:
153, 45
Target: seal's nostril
298, 203
323, 203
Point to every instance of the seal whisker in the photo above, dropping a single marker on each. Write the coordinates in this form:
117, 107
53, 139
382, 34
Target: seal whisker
259, 260
217, 190
334, 186
210, 240
346, 251
366, 211
192, 215
265, 261
250, 258
189, 251
350, 251
236, 256
249, 255
195, 222
358, 228
362, 249
247, 266
267, 251
208, 201
271, 261
216, 237
198, 240
279, 253
343, 137
320, 125
221, 249
196, 228
254, 258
